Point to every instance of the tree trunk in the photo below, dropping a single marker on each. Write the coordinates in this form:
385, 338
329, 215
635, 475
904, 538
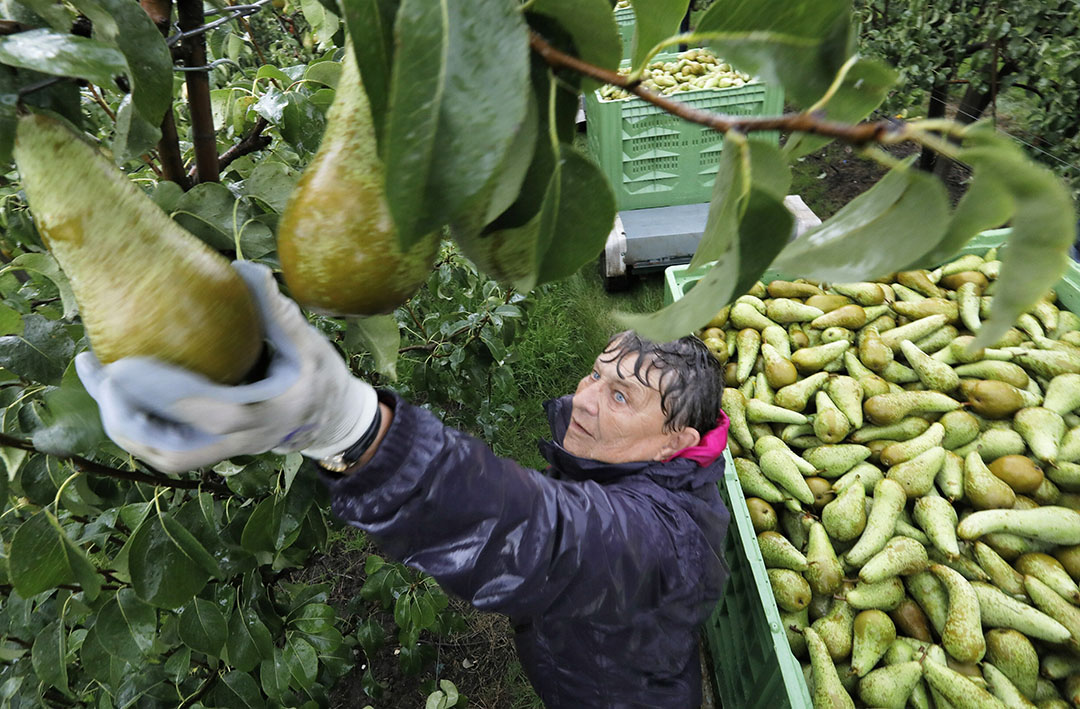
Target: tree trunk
203, 137
168, 147
939, 96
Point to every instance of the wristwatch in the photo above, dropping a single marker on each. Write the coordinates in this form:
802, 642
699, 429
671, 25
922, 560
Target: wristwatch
339, 463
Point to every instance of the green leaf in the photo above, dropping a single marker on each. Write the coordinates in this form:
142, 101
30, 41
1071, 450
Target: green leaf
882, 230
763, 230
98, 663
322, 18
1043, 229
179, 664
49, 655
371, 28
379, 335
127, 627
149, 62
986, 204
161, 572
134, 134
654, 21
203, 627
370, 635
207, 211
63, 55
591, 24
314, 618
863, 89
43, 557
11, 321
238, 690
9, 89
259, 533
456, 66
743, 166
797, 44
302, 660
40, 353
73, 421
326, 73
248, 642
274, 675
44, 264
56, 14
577, 215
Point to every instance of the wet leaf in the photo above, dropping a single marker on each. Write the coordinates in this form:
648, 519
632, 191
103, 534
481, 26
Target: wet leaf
655, 20
62, 54
248, 641
127, 627
238, 690
40, 353
884, 229
49, 655
203, 627
161, 572
379, 335
302, 660
43, 557
371, 28
591, 24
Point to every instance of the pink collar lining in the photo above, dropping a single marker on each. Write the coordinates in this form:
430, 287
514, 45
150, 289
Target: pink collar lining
710, 447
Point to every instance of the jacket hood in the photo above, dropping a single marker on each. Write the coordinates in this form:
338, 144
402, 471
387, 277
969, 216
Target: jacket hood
674, 473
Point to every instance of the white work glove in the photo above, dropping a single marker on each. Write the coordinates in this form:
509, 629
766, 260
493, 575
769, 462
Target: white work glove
178, 420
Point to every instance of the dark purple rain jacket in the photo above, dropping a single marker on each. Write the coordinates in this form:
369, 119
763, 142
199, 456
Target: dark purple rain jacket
607, 571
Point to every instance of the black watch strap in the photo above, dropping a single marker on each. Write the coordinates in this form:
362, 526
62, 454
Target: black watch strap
337, 464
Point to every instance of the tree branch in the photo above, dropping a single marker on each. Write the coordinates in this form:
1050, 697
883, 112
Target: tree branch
855, 134
203, 137
251, 142
168, 147
84, 465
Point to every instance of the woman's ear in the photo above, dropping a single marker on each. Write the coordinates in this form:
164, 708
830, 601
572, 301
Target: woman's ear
687, 437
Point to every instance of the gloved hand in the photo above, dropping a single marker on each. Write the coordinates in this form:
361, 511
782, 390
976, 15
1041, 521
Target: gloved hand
178, 420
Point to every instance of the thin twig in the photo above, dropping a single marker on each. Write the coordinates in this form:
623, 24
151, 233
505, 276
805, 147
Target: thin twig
85, 465
855, 134
251, 142
101, 102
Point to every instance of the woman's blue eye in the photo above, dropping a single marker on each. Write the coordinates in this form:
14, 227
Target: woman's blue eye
595, 375
619, 397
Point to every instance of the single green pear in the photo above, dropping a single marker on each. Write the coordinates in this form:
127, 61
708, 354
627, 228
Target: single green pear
849, 316
747, 346
938, 341
866, 473
767, 443
911, 621
845, 517
898, 373
794, 625
997, 442
836, 459
1048, 363
919, 281
835, 334
1051, 572
1002, 687
983, 489
931, 596
336, 238
828, 692
957, 689
917, 475
758, 411
144, 285
890, 687
814, 359
762, 391
883, 595
966, 567
754, 483
792, 289
889, 499
777, 336
734, 405
890, 408
967, 297
1059, 666
901, 556
790, 589
999, 610
927, 307
961, 428
962, 635
903, 430
897, 453
933, 374
905, 294
786, 310
796, 396
913, 330
847, 394
744, 315
937, 517
998, 370
778, 369
872, 633
1069, 449
823, 572
1013, 654
861, 293
1042, 430
781, 469
950, 477
830, 423
1049, 602
779, 553
1063, 393
1000, 572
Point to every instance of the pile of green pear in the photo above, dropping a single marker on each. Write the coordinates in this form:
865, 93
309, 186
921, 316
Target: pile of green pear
916, 501
692, 70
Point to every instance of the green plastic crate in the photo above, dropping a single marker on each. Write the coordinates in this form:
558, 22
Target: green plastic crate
753, 665
624, 18
655, 159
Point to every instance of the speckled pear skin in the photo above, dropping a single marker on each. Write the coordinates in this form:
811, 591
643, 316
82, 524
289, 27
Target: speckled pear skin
336, 239
144, 285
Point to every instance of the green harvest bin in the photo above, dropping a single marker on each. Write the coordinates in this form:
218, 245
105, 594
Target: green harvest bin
753, 664
624, 18
655, 159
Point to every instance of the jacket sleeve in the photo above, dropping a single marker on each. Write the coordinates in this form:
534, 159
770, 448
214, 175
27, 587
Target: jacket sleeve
504, 537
